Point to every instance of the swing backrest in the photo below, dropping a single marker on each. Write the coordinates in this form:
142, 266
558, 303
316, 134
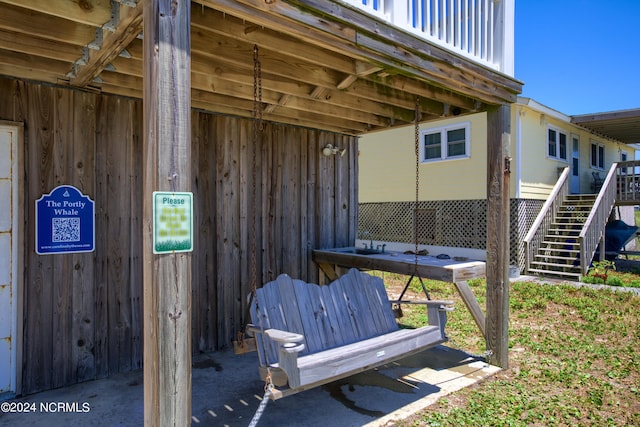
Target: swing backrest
353, 308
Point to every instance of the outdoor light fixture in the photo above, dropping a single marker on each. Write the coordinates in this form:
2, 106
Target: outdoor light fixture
331, 150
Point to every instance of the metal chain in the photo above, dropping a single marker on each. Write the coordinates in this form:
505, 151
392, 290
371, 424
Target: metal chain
257, 129
257, 132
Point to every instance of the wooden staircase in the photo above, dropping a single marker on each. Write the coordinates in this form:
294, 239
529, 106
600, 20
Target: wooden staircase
559, 251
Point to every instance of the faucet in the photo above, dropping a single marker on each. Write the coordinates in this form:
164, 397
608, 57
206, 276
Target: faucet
367, 233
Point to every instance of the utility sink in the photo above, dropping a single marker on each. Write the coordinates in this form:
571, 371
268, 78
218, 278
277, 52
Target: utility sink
360, 251
367, 251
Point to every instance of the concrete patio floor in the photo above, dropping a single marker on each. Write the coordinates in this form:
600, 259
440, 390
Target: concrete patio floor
226, 391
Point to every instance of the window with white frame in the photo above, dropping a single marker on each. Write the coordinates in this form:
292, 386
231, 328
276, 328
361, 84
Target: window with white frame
449, 142
556, 144
624, 156
597, 155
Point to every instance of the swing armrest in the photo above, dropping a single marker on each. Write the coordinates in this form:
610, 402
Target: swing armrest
291, 342
284, 337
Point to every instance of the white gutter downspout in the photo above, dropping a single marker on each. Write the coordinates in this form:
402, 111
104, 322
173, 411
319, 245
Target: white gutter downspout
518, 159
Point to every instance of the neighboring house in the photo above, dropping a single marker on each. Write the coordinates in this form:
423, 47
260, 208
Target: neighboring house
452, 152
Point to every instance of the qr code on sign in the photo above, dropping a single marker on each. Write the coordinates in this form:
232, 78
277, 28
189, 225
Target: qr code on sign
66, 230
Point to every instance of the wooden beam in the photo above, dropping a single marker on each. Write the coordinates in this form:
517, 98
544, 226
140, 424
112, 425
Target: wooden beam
131, 87
113, 43
498, 174
471, 302
29, 73
230, 58
347, 81
46, 26
211, 24
366, 68
91, 12
166, 167
25, 43
284, 115
212, 43
231, 61
319, 93
284, 100
430, 63
208, 82
362, 69
328, 270
21, 60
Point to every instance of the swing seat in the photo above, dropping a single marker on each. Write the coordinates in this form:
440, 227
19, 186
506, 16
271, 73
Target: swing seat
317, 334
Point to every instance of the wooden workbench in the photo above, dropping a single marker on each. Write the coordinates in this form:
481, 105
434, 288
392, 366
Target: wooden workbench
330, 261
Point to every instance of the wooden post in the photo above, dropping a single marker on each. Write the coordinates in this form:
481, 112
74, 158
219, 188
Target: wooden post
498, 175
166, 163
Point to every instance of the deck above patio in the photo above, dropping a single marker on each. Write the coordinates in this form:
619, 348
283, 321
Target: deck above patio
480, 30
344, 66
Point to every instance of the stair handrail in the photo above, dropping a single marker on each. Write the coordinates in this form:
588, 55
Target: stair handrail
593, 229
545, 218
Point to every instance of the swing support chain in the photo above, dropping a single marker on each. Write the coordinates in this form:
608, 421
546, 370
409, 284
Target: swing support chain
257, 130
417, 117
397, 309
242, 345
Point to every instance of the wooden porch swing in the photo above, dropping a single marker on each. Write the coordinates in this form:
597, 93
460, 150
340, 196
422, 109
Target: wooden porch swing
307, 335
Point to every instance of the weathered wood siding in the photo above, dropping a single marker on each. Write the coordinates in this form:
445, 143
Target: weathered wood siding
82, 313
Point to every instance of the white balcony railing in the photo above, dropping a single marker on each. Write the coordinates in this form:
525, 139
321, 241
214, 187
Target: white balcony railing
481, 30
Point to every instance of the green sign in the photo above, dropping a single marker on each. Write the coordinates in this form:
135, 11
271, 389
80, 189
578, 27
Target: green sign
172, 222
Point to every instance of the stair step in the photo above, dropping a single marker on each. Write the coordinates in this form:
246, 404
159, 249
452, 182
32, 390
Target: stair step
560, 237
559, 232
573, 253
555, 270
563, 257
563, 274
579, 207
564, 216
592, 197
558, 257
560, 244
554, 265
557, 227
577, 201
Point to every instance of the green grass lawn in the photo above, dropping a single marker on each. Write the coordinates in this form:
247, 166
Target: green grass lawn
573, 358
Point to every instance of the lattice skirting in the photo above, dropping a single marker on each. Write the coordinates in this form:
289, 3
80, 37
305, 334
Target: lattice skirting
454, 223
